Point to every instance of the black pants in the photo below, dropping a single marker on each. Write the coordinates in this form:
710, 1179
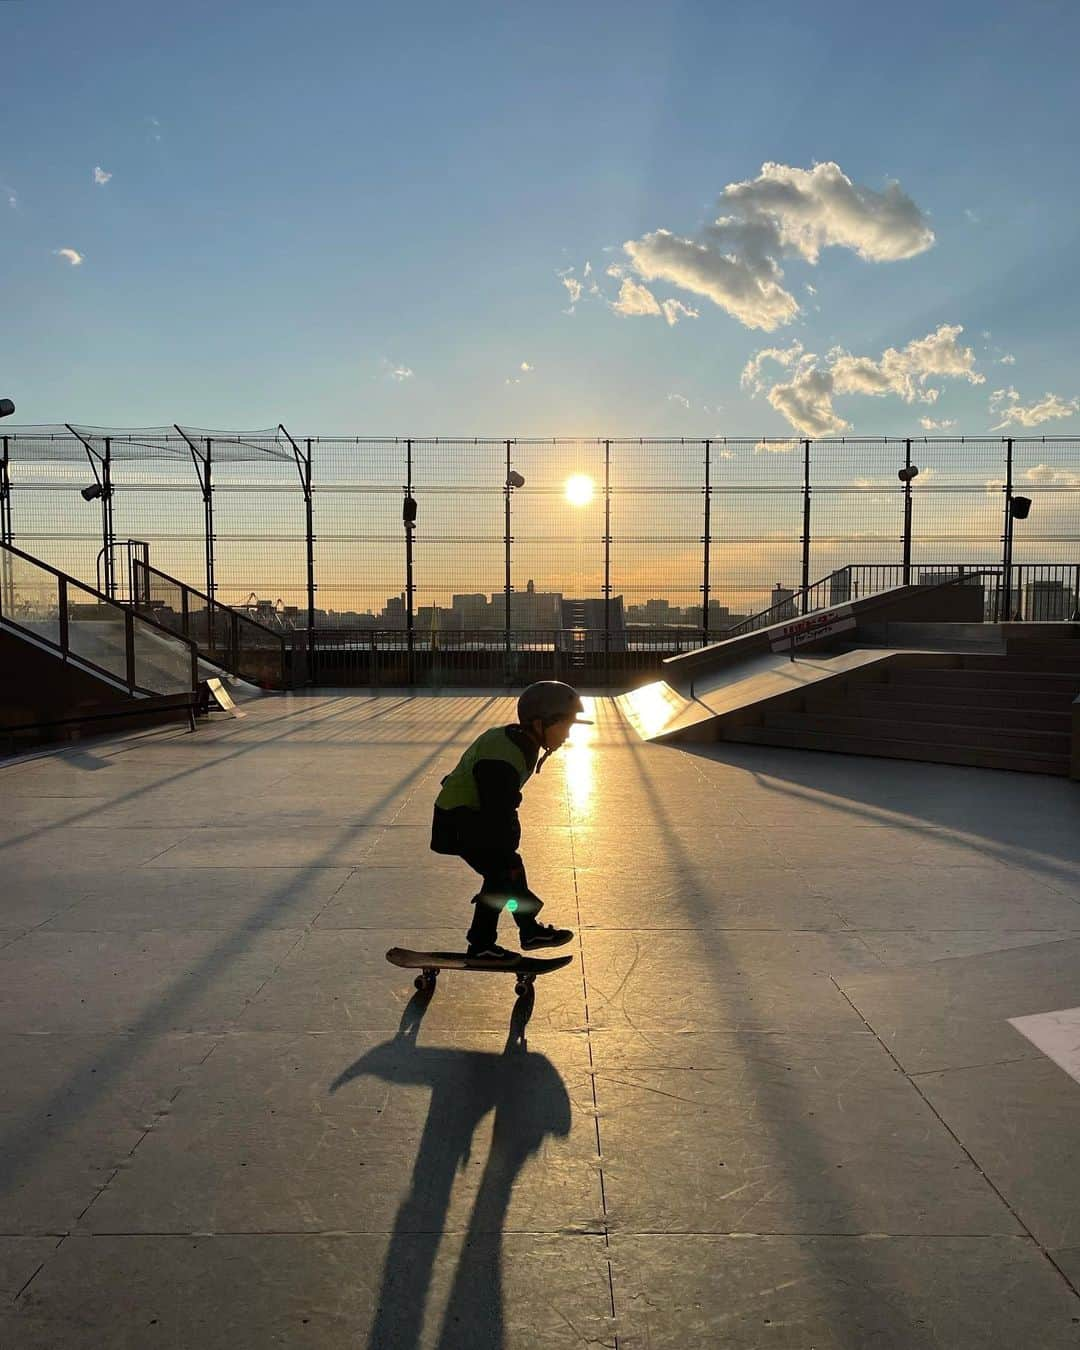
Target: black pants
504, 879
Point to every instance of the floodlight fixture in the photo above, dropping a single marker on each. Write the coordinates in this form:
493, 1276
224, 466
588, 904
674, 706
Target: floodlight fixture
91, 493
6, 407
1020, 506
514, 479
906, 475
408, 512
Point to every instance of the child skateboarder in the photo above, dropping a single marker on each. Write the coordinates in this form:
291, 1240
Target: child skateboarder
476, 817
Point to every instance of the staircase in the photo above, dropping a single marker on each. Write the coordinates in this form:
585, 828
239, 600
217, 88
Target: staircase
999, 711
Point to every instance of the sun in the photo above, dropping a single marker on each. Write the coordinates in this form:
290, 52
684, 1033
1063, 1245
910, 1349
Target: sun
579, 489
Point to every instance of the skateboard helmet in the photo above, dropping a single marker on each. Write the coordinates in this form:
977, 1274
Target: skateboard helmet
550, 701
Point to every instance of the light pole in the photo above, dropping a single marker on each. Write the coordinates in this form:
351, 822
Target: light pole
408, 519
1019, 509
6, 409
907, 475
513, 480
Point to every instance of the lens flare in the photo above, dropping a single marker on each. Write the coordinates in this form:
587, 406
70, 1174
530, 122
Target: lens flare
511, 906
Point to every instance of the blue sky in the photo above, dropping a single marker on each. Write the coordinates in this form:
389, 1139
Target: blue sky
307, 202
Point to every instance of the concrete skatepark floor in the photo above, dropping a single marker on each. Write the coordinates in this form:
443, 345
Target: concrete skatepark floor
777, 1100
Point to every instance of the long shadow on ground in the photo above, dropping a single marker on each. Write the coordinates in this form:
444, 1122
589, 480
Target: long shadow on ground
530, 1102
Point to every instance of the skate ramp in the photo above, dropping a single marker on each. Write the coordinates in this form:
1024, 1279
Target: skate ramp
659, 711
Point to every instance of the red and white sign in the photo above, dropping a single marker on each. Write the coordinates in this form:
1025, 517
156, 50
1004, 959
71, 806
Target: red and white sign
812, 628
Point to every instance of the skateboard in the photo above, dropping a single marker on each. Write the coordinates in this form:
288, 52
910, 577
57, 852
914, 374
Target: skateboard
525, 968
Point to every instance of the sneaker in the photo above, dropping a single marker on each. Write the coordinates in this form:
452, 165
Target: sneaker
545, 935
489, 951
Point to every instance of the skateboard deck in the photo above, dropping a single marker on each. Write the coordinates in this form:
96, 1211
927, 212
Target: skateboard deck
525, 968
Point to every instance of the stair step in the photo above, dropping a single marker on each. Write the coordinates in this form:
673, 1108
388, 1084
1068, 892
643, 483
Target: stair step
1067, 649
869, 730
1033, 662
987, 679
1019, 717
975, 755
1044, 700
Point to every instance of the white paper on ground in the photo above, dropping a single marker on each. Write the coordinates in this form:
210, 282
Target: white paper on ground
1056, 1034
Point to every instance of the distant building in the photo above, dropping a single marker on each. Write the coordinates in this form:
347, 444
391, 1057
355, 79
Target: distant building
529, 608
783, 601
471, 611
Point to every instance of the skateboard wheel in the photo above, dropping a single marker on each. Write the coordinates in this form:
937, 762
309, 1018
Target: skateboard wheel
426, 979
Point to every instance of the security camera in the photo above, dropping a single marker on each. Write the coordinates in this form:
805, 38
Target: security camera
6, 407
906, 475
515, 479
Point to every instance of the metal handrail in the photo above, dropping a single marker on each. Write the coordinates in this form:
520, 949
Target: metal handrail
229, 657
216, 604
63, 581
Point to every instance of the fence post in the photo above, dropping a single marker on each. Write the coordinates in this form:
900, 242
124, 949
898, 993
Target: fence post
409, 589
108, 537
129, 648
208, 514
5, 492
907, 512
806, 527
705, 551
309, 532
202, 460
7, 588
508, 489
1007, 533
62, 612
607, 563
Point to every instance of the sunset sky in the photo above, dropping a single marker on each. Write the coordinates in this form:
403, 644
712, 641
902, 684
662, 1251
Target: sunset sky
545, 220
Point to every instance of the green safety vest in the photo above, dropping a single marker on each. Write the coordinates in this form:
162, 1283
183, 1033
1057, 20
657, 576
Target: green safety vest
459, 786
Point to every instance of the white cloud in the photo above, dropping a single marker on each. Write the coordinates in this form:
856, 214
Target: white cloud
395, 370
973, 216
12, 197
749, 290
100, 176
573, 288
70, 254
1006, 404
674, 310
1008, 359
906, 371
586, 271
775, 447
783, 356
805, 399
785, 211
526, 367
635, 299
928, 424
681, 399
810, 290
1045, 474
614, 270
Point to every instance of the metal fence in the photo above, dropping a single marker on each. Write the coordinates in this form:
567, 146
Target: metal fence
614, 539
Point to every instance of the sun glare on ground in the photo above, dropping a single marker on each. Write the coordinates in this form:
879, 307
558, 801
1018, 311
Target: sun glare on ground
579, 489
